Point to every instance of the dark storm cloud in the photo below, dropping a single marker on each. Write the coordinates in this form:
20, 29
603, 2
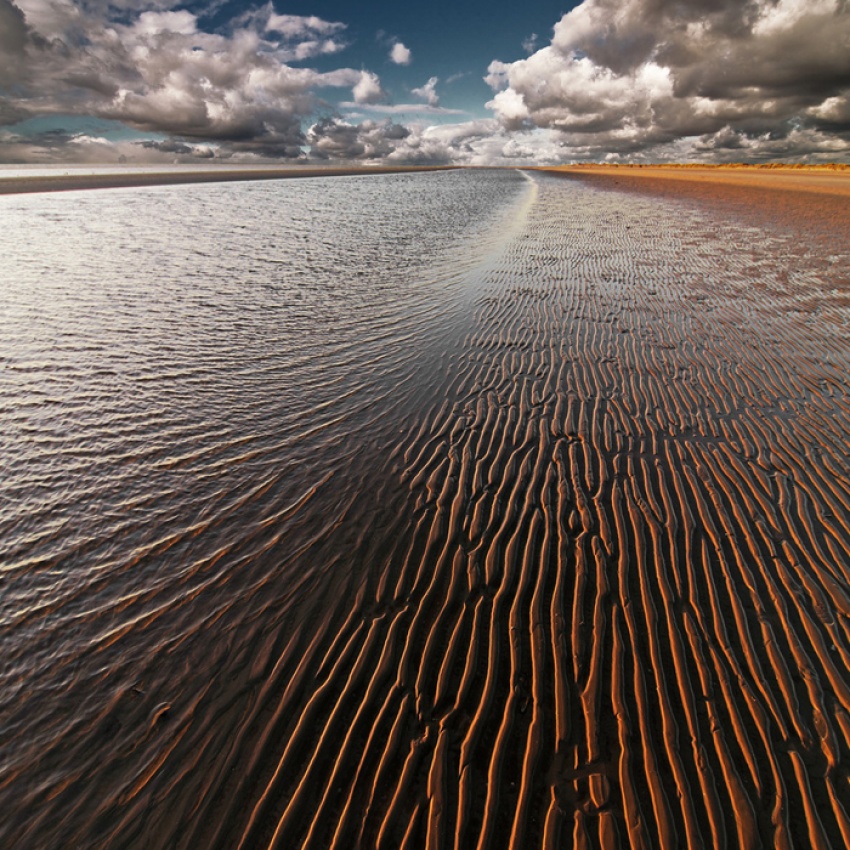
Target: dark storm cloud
11, 113
171, 146
13, 29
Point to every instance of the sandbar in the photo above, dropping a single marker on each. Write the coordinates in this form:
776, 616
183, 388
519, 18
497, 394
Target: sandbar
123, 180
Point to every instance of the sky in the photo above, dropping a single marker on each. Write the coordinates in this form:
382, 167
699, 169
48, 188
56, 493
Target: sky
483, 82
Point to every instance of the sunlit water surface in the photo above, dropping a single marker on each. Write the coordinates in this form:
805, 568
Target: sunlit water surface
196, 385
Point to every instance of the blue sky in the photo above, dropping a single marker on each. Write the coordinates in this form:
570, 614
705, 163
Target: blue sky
453, 41
476, 83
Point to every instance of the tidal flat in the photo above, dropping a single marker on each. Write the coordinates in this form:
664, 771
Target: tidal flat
466, 508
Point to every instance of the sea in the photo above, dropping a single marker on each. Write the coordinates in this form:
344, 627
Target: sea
200, 387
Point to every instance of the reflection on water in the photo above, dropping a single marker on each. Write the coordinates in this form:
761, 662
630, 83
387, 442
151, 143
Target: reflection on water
197, 385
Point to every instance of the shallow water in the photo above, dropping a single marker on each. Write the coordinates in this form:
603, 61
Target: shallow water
460, 509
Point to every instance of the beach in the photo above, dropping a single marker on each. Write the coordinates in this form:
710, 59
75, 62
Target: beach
129, 177
770, 195
525, 535
827, 180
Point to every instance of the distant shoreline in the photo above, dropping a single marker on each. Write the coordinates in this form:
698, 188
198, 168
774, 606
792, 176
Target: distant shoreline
131, 179
818, 179
815, 198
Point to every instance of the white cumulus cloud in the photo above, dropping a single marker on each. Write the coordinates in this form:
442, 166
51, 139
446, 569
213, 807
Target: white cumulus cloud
368, 89
428, 92
633, 77
155, 68
400, 55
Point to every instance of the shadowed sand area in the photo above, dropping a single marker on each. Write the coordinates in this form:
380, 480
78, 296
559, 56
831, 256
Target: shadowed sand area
594, 588
128, 179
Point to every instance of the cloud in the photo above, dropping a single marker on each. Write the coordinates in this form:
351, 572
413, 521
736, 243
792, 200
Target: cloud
58, 147
633, 77
479, 142
368, 89
529, 45
333, 138
621, 79
400, 55
428, 92
155, 68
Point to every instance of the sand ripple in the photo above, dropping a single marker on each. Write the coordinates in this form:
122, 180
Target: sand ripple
593, 589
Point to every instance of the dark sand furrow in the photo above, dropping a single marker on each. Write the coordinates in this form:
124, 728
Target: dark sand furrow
295, 671
355, 808
346, 760
814, 835
480, 718
767, 591
371, 811
296, 744
744, 822
733, 600
590, 695
818, 483
400, 573
817, 602
806, 535
750, 713
839, 812
339, 726
580, 635
707, 766
680, 697
662, 642
435, 649
637, 828
408, 840
540, 675
663, 824
560, 701
450, 679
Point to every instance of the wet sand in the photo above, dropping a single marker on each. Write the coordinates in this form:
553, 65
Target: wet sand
74, 182
620, 616
817, 198
595, 591
819, 180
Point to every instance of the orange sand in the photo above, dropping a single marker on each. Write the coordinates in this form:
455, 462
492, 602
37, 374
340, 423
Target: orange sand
787, 198
821, 180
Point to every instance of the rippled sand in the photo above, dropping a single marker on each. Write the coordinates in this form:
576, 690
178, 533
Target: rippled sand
585, 582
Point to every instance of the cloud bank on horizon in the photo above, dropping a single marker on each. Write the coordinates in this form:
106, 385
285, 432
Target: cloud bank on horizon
628, 80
